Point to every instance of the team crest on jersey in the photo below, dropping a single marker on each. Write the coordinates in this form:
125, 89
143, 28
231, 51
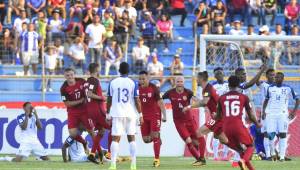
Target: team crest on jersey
149, 94
205, 94
184, 98
283, 91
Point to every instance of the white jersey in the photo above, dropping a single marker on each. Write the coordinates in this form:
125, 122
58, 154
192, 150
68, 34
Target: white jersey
123, 90
278, 97
28, 135
263, 89
76, 152
220, 88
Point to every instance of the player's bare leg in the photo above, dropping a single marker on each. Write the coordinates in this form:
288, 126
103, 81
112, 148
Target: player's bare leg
114, 148
132, 150
155, 137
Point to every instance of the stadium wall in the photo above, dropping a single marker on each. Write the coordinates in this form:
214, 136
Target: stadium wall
52, 136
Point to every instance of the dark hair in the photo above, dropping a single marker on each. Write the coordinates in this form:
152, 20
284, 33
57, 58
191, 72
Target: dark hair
124, 68
218, 69
69, 69
250, 25
25, 104
93, 67
204, 75
280, 73
233, 81
143, 72
239, 69
269, 71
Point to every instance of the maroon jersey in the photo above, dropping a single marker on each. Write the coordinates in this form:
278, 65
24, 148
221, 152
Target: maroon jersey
72, 93
232, 105
178, 102
94, 105
209, 91
149, 96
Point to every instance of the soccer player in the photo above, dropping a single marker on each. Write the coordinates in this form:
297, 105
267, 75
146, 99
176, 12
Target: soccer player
96, 108
122, 103
29, 123
263, 86
275, 111
221, 87
75, 151
210, 99
185, 124
231, 109
73, 95
152, 107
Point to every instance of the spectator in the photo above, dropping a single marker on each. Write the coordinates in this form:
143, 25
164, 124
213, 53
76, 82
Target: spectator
291, 13
35, 6
140, 55
177, 7
108, 23
213, 3
57, 4
132, 15
112, 55
278, 30
75, 29
77, 54
278, 47
118, 9
29, 48
14, 6
55, 26
219, 29
76, 8
41, 23
122, 28
156, 68
147, 29
269, 7
50, 64
19, 21
263, 47
7, 47
2, 11
96, 6
164, 28
106, 7
176, 68
95, 35
154, 6
293, 47
60, 55
236, 30
249, 46
218, 14
202, 16
254, 8
88, 16
237, 7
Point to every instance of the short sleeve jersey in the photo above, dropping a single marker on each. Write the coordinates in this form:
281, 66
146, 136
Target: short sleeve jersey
149, 96
94, 105
209, 91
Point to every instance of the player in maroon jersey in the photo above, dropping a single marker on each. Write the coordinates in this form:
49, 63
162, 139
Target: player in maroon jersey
152, 107
73, 95
184, 122
96, 108
230, 110
210, 99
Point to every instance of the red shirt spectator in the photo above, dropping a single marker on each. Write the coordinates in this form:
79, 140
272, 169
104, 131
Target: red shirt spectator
177, 4
292, 10
238, 4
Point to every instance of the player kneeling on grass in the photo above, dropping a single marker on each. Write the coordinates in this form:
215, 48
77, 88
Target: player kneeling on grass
152, 107
29, 123
230, 110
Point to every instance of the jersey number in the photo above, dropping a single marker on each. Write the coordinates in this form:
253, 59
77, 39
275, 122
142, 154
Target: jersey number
233, 108
77, 95
180, 105
123, 95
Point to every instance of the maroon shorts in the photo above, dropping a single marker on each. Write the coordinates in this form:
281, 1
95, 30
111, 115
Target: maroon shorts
237, 136
186, 129
99, 121
74, 121
215, 126
150, 125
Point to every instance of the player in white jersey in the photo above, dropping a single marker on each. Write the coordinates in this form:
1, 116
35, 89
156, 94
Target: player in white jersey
221, 87
122, 104
75, 150
276, 113
263, 86
29, 123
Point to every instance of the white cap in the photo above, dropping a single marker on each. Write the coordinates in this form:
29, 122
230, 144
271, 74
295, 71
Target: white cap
264, 28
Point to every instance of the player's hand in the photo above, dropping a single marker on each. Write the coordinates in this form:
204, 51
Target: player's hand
141, 120
185, 109
264, 67
258, 125
263, 116
292, 115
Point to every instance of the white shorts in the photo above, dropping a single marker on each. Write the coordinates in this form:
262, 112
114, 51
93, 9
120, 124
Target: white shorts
82, 158
264, 126
35, 147
277, 123
123, 125
30, 58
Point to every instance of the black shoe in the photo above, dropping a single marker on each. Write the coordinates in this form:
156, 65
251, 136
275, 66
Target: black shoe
287, 159
92, 159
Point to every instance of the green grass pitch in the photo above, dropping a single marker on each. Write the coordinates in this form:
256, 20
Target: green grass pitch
167, 163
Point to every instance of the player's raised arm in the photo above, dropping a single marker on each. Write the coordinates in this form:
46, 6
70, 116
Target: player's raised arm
297, 103
38, 122
256, 78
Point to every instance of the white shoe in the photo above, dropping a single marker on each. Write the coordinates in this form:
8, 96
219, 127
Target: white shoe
166, 50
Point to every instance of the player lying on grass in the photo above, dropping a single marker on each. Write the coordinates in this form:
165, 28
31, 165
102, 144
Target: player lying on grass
230, 110
29, 124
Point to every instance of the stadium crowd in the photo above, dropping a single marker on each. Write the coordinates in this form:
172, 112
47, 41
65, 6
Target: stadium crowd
76, 33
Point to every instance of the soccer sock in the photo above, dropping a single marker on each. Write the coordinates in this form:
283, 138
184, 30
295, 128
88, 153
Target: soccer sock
193, 150
225, 151
96, 141
132, 149
282, 147
80, 139
249, 165
215, 145
272, 147
109, 141
114, 147
267, 147
156, 147
248, 153
202, 146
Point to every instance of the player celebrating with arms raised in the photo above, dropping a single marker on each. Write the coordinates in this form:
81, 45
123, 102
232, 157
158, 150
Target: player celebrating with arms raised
122, 101
185, 124
152, 107
275, 111
230, 109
